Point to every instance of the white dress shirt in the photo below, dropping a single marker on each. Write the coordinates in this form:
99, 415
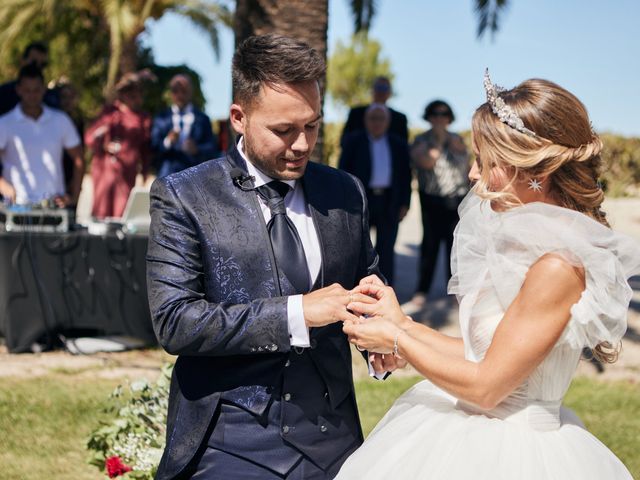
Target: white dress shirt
181, 122
298, 212
31, 151
380, 162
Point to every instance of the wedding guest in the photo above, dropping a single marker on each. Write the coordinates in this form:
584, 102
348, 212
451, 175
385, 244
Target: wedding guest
380, 93
181, 136
380, 160
441, 163
33, 138
245, 260
119, 139
37, 54
539, 275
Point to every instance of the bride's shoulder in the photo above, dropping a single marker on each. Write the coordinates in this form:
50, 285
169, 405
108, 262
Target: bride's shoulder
555, 276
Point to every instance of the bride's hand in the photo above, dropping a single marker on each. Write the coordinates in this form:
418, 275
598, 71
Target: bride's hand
387, 305
374, 334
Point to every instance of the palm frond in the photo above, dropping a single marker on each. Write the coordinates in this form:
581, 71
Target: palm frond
19, 16
363, 12
207, 17
488, 12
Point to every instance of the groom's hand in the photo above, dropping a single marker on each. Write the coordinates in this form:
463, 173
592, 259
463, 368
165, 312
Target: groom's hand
382, 363
371, 280
329, 305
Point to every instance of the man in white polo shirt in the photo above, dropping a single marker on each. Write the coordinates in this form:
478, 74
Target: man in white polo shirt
32, 140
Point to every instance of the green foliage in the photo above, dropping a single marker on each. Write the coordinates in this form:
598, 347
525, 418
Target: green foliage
136, 432
78, 47
621, 156
91, 41
353, 68
44, 423
44, 420
611, 411
331, 147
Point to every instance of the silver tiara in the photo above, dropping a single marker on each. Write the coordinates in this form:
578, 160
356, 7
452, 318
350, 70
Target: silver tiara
505, 113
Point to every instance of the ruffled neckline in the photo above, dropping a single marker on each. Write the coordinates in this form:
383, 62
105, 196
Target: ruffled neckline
496, 248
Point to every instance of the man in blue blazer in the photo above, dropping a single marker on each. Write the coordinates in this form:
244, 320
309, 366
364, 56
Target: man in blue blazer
181, 136
251, 257
381, 161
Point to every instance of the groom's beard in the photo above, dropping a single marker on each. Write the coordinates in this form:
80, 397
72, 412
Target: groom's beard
279, 166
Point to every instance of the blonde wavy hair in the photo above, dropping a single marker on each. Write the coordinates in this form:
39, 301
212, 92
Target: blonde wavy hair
565, 152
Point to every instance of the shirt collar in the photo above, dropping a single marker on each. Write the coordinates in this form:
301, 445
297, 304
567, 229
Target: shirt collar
381, 138
187, 109
19, 114
261, 178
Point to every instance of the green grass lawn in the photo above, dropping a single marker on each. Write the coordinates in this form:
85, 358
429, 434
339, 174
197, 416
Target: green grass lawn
44, 422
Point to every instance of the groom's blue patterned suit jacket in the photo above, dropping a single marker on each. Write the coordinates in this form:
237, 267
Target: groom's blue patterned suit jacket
219, 304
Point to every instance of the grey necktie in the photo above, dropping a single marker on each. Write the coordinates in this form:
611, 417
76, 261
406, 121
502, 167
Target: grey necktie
286, 243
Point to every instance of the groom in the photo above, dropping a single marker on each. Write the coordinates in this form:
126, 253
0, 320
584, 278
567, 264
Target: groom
248, 256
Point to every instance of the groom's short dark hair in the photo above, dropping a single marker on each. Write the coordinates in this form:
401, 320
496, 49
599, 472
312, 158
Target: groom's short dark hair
272, 59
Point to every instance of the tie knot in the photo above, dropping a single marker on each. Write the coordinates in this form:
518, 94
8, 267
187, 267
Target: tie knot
280, 188
273, 193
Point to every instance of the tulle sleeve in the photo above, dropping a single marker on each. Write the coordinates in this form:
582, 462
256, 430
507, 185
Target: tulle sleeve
496, 249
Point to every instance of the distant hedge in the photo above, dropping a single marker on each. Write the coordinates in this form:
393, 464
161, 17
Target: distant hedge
621, 156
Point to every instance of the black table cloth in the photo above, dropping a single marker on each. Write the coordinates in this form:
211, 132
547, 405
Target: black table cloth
52, 283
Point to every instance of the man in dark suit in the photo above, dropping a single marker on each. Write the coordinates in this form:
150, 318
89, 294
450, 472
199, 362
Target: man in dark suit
247, 259
380, 160
380, 92
181, 136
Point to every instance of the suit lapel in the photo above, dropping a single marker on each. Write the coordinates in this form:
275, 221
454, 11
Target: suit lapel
326, 205
320, 216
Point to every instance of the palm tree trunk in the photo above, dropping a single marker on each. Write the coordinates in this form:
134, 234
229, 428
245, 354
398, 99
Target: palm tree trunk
301, 19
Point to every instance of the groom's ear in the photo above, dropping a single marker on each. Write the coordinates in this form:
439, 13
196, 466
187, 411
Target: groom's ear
238, 118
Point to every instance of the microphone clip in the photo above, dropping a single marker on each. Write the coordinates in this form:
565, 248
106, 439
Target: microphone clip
240, 178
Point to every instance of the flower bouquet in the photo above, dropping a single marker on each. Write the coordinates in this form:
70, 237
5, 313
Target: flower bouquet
129, 446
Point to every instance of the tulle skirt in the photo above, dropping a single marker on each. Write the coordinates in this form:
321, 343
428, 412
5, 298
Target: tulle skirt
426, 436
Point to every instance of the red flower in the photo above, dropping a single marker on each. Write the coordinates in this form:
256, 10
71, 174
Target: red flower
115, 467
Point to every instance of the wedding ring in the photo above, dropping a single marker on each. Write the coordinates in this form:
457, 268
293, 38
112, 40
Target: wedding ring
350, 297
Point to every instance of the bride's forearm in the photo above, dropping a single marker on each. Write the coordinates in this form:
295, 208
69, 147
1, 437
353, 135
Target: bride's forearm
433, 339
449, 371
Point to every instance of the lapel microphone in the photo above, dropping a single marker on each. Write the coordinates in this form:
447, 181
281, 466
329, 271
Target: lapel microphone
239, 178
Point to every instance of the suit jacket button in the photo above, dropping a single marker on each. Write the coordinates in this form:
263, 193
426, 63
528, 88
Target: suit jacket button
326, 394
287, 363
287, 397
285, 429
323, 428
313, 343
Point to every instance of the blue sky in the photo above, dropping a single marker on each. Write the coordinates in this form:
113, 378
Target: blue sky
591, 47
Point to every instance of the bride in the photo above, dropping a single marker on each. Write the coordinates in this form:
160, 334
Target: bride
539, 275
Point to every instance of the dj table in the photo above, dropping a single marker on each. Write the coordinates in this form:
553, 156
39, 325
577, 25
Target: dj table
67, 283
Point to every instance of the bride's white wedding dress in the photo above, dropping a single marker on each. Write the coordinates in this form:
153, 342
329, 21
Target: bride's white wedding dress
428, 434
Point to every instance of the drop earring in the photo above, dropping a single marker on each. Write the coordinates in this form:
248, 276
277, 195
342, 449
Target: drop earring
535, 185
